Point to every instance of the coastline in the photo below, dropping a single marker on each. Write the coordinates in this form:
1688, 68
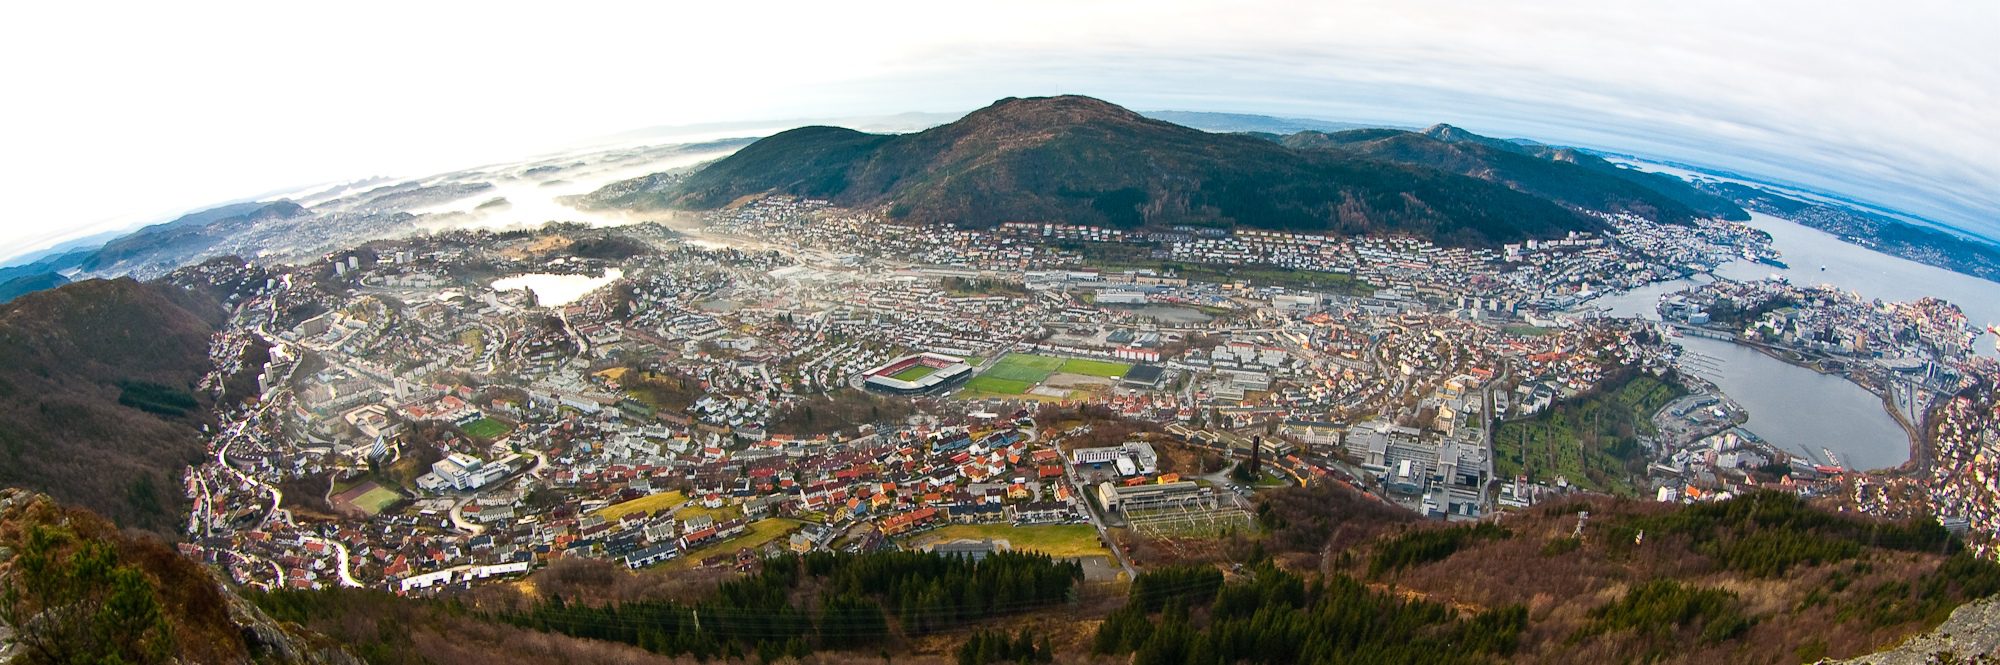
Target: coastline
1918, 447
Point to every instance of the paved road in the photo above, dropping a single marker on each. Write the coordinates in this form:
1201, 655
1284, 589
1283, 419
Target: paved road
1090, 507
340, 549
458, 518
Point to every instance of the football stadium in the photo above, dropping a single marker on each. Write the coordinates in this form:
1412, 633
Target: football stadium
917, 374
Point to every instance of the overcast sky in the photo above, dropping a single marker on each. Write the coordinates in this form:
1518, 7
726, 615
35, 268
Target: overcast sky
119, 114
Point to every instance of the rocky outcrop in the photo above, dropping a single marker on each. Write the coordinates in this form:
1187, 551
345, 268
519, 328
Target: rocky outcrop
1971, 635
273, 642
210, 621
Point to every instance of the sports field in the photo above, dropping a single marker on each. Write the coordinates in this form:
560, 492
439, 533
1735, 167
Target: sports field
1023, 367
1056, 540
367, 497
1018, 373
914, 372
1103, 368
376, 499
485, 428
648, 504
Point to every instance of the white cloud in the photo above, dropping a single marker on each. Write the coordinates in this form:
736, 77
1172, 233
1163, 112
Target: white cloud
123, 113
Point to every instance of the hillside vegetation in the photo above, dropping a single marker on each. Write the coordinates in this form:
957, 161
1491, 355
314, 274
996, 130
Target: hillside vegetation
1080, 160
97, 405
1563, 175
1591, 440
74, 589
1763, 578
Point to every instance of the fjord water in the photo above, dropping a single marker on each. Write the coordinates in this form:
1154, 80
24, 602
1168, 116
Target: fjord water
1801, 411
1870, 273
1797, 409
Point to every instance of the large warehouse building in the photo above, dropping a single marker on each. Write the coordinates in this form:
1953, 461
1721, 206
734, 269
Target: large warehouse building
918, 374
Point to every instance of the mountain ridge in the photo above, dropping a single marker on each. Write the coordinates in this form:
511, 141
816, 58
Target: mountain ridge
97, 397
1563, 175
1083, 160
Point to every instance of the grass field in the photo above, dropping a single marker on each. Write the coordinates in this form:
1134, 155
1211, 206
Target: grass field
367, 496
473, 339
1023, 367
758, 534
376, 499
486, 428
1592, 442
1056, 540
1017, 373
646, 504
914, 372
1103, 368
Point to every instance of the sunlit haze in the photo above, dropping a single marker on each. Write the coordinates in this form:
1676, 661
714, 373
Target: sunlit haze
131, 114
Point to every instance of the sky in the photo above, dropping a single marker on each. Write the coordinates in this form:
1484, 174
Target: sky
119, 114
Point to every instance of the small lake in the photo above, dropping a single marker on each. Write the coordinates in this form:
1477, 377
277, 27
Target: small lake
557, 290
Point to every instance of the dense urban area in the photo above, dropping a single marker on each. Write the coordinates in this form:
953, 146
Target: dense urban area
785, 376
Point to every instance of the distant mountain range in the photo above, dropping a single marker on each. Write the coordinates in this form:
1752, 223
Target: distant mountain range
1068, 159
170, 242
1250, 123
1081, 160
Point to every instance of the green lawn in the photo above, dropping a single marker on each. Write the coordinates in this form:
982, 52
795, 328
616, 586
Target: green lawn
486, 428
757, 535
648, 504
1591, 441
914, 372
1056, 540
1016, 373
1103, 368
376, 500
1023, 367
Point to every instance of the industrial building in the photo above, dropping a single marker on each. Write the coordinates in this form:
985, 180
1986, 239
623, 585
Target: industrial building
1131, 458
461, 472
1178, 494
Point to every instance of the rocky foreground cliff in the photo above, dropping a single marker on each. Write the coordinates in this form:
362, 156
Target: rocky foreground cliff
75, 589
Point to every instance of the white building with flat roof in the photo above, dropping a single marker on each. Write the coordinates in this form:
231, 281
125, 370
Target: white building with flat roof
1131, 458
461, 472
